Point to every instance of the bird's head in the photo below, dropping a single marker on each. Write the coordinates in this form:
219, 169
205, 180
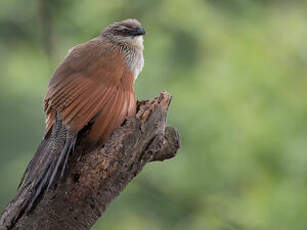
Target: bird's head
129, 31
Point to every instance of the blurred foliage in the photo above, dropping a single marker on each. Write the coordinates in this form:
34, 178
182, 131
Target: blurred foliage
237, 71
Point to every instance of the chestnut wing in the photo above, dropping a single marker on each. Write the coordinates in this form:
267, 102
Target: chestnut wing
93, 81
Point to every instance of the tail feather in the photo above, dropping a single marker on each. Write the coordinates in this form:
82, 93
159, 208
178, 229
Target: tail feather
25, 177
38, 191
70, 150
60, 162
49, 163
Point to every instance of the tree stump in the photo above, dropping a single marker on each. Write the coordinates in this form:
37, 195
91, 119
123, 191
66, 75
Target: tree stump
95, 178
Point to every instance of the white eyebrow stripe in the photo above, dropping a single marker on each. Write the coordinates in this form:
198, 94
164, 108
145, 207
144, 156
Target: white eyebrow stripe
121, 27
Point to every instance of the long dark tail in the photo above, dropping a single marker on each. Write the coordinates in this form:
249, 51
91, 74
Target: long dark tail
48, 164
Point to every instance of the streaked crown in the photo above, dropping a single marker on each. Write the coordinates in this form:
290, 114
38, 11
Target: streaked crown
126, 28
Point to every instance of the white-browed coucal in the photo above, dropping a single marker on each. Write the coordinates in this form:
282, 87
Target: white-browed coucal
92, 92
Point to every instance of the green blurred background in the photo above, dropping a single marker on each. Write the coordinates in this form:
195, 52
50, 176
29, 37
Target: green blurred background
237, 71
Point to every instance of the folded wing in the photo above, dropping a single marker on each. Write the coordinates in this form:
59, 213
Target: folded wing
92, 82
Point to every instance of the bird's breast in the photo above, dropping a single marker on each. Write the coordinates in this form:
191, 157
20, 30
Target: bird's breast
134, 58
138, 65
135, 62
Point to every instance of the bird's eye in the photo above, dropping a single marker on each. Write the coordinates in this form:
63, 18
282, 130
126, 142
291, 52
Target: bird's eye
125, 31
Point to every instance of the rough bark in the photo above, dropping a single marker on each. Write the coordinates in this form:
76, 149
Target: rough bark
98, 176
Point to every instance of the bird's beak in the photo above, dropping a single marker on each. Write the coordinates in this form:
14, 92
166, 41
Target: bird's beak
139, 31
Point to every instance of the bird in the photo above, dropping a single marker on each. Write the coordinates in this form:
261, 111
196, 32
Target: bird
89, 95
